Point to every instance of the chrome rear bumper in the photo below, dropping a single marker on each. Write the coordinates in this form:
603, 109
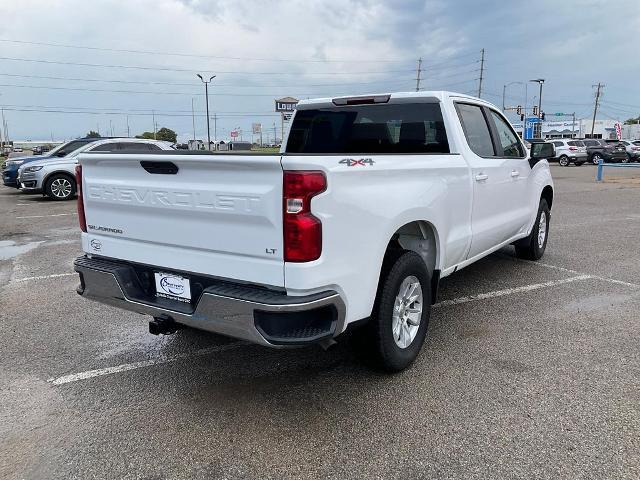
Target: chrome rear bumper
250, 313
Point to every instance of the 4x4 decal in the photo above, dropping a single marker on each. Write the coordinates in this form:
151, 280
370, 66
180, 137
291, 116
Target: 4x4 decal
362, 162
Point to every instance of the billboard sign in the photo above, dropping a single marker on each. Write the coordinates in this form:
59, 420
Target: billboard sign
256, 128
286, 104
234, 134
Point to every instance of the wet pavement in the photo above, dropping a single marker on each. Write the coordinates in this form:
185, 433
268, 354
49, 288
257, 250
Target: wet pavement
530, 370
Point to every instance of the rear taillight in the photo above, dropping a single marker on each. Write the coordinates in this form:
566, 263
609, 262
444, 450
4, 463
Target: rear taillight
81, 218
302, 231
573, 149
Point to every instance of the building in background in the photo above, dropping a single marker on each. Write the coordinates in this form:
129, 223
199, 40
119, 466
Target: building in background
581, 129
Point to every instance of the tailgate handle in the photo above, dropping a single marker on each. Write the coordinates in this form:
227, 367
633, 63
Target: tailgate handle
161, 168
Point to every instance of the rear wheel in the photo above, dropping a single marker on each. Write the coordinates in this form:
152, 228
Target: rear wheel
533, 246
564, 161
596, 158
398, 326
60, 187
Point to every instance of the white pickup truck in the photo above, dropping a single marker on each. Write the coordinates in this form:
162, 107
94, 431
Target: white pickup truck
372, 200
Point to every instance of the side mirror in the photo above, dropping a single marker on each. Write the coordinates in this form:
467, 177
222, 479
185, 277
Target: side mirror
61, 153
541, 150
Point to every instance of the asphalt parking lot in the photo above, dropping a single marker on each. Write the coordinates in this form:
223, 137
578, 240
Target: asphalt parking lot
530, 370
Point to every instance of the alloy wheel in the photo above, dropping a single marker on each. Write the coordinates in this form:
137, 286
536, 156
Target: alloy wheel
407, 312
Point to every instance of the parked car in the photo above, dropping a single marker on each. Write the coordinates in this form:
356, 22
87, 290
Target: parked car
372, 201
633, 151
56, 179
10, 170
570, 151
599, 149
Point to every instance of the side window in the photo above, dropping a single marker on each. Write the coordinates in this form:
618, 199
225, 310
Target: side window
136, 146
476, 129
511, 146
105, 147
558, 144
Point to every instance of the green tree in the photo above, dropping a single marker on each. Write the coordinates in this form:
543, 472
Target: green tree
93, 134
164, 133
632, 121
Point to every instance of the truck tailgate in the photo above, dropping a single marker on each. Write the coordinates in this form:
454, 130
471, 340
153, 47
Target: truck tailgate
218, 215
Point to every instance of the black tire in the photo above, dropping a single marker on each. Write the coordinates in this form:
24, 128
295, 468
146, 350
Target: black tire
376, 339
578, 164
564, 161
529, 248
626, 159
60, 187
595, 158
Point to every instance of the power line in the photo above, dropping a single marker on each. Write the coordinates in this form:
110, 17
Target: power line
102, 90
216, 57
150, 114
146, 82
168, 69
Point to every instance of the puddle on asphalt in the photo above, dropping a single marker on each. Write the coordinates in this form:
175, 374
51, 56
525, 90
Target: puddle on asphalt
9, 249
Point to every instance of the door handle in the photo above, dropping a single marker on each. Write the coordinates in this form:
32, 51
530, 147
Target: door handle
515, 173
481, 177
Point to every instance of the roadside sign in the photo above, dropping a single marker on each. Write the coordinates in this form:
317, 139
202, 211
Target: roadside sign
618, 131
286, 104
560, 114
256, 128
529, 127
234, 134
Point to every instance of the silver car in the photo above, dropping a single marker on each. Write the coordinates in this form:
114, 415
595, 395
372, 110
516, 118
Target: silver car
56, 178
570, 151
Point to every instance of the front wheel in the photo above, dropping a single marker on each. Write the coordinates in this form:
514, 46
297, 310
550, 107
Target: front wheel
533, 246
60, 187
398, 326
596, 158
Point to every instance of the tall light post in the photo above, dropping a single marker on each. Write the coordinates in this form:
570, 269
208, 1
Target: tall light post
539, 81
206, 94
504, 91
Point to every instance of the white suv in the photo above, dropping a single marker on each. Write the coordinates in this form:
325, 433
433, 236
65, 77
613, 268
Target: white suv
56, 178
570, 151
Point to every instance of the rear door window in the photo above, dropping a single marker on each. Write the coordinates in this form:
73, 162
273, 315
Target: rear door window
105, 147
137, 146
476, 129
375, 129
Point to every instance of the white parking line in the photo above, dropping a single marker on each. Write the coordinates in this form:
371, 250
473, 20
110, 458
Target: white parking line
511, 291
76, 377
52, 215
43, 277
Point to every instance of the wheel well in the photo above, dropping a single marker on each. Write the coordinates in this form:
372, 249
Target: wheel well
547, 194
52, 174
419, 237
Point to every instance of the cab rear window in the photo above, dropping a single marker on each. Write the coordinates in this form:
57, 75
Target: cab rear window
389, 128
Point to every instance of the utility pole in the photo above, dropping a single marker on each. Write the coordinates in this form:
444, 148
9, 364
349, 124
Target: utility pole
215, 127
595, 107
573, 125
418, 74
153, 113
206, 94
481, 74
128, 131
193, 121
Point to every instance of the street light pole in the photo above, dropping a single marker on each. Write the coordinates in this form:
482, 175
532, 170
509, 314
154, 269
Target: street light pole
206, 94
504, 92
540, 82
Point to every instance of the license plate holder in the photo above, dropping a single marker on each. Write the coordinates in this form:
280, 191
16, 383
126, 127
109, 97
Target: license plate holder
172, 287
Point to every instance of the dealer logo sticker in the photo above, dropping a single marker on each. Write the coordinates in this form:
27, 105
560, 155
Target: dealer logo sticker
172, 286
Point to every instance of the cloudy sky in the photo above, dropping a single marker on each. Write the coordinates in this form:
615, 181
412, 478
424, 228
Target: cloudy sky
68, 66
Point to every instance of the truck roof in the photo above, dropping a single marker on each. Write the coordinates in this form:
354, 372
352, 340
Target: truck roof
436, 95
